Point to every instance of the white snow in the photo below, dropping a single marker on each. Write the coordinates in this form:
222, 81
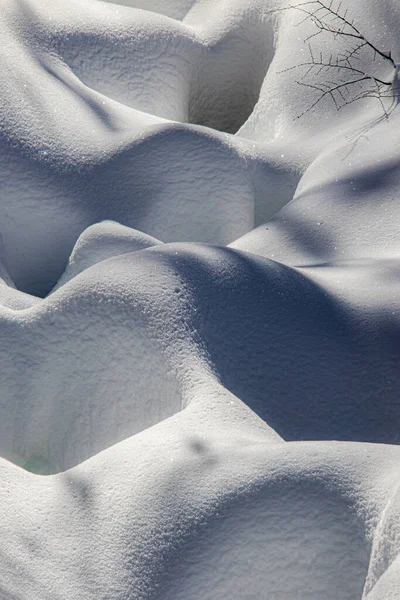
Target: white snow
199, 305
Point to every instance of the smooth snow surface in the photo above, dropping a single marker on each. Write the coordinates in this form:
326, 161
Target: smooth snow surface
199, 306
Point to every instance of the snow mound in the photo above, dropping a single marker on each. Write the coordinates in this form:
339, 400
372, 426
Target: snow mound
199, 303
153, 515
101, 241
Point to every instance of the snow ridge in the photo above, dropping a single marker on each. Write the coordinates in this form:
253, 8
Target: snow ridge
199, 306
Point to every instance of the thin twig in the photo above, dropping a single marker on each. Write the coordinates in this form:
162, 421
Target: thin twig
329, 18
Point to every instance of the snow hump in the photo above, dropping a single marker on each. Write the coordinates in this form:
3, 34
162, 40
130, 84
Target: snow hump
199, 300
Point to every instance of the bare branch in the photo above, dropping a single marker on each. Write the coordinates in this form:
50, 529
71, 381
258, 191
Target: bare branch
312, 10
350, 82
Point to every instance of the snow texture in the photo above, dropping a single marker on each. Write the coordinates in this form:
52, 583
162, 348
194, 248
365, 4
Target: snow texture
199, 306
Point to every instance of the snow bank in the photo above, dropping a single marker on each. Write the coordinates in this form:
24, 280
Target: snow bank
199, 306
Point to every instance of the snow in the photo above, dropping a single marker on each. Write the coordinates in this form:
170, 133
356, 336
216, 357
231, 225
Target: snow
199, 306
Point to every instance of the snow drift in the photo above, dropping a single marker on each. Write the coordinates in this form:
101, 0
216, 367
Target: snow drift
199, 306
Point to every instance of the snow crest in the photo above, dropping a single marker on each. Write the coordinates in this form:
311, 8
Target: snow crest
199, 303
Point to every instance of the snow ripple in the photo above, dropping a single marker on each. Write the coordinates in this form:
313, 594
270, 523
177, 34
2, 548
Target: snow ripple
199, 308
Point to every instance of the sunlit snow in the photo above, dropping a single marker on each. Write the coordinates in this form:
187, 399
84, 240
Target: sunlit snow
199, 300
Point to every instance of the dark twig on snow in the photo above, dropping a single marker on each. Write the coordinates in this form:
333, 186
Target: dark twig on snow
343, 79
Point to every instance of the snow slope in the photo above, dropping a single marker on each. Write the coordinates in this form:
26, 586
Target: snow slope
199, 306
